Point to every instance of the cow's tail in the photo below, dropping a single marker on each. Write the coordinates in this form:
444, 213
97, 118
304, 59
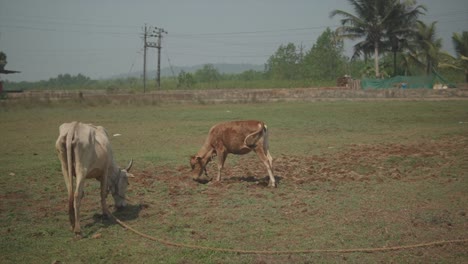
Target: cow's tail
70, 150
252, 139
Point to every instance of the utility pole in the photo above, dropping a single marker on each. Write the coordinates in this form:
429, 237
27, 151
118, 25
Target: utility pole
145, 34
158, 46
157, 32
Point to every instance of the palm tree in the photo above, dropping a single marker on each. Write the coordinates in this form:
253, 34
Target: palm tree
401, 28
460, 42
427, 46
375, 21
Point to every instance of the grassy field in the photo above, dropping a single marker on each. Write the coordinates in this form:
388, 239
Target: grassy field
351, 175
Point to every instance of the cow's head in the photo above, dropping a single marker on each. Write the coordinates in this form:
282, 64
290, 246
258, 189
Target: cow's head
198, 165
119, 186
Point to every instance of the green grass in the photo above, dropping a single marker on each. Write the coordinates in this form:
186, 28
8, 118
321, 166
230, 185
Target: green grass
352, 174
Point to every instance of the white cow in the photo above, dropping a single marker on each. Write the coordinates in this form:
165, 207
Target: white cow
84, 151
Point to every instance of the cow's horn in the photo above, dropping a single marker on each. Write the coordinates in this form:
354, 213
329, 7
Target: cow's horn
129, 165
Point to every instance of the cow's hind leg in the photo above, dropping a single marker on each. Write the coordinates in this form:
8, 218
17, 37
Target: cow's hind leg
270, 159
71, 201
62, 154
267, 161
71, 211
79, 193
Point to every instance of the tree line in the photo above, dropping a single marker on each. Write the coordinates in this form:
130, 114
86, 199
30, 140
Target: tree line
390, 40
388, 31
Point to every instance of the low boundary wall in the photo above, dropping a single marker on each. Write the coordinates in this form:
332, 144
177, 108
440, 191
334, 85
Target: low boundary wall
243, 95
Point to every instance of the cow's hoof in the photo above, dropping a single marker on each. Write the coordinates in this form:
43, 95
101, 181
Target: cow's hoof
274, 185
78, 236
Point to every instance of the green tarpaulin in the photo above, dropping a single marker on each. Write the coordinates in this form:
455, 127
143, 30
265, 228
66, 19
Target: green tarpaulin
405, 82
399, 82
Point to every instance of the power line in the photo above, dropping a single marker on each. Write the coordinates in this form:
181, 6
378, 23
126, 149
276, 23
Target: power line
170, 64
249, 32
68, 30
217, 56
61, 21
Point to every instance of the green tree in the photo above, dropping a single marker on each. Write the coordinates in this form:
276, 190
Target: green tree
3, 60
427, 47
250, 75
68, 80
372, 21
207, 74
401, 28
460, 43
325, 60
284, 64
185, 79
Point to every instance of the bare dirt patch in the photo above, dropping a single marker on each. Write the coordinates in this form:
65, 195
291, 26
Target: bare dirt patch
406, 162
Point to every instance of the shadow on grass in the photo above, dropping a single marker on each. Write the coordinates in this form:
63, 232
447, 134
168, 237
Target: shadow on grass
260, 181
251, 179
129, 212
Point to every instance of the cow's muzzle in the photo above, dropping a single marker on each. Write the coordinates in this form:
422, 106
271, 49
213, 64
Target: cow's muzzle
120, 208
202, 179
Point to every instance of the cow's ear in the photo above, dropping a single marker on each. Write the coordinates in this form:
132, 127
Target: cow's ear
129, 175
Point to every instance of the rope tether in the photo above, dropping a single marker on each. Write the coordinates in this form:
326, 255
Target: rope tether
279, 252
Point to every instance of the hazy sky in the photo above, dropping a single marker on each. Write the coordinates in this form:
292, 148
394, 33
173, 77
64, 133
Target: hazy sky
102, 38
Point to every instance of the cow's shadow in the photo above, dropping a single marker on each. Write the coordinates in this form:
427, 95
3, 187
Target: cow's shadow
261, 181
130, 212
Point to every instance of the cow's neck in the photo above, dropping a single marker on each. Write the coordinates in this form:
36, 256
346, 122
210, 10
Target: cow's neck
114, 171
205, 153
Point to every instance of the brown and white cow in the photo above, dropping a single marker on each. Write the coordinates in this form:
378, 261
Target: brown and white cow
236, 137
85, 152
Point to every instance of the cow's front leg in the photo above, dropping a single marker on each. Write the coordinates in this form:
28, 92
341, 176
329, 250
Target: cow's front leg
104, 191
221, 159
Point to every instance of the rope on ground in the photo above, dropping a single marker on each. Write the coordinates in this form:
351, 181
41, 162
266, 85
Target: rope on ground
280, 252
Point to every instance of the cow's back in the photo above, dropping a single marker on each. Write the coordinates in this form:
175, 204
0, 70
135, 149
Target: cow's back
92, 150
90, 147
233, 134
